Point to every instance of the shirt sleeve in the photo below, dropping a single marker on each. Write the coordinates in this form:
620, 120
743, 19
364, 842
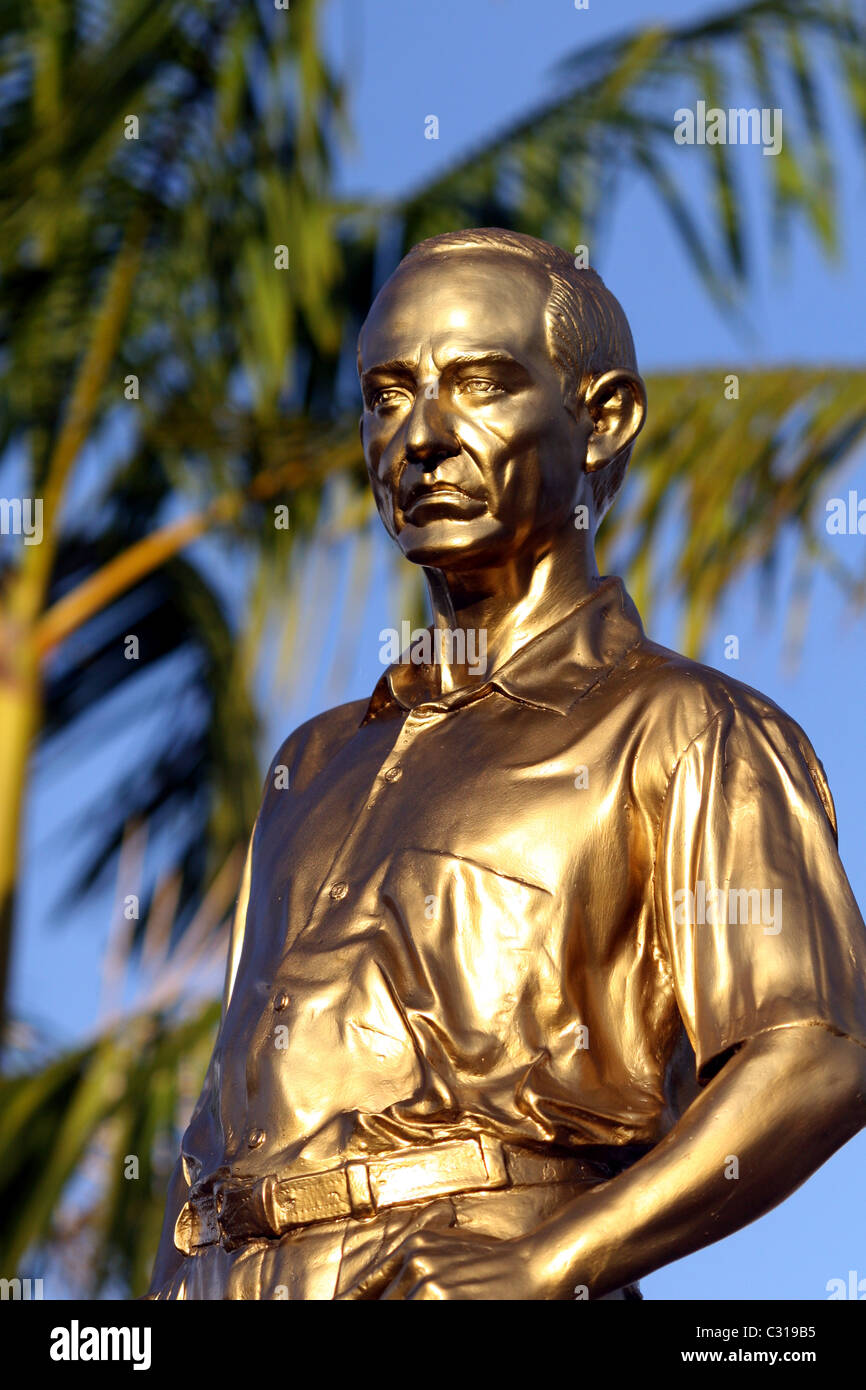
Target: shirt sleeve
758, 922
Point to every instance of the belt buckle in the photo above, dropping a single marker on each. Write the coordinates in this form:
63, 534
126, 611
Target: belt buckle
244, 1210
196, 1226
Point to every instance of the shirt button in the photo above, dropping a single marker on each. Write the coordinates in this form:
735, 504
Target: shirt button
282, 1001
393, 774
339, 891
255, 1138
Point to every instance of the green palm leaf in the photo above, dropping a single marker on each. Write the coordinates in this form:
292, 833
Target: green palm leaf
741, 474
554, 172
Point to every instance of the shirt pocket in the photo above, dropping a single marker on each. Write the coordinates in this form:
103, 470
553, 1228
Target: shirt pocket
475, 951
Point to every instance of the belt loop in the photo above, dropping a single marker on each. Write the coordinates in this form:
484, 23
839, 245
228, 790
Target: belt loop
360, 1191
493, 1154
269, 1204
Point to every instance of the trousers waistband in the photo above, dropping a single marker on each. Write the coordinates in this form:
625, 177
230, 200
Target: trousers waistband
230, 1209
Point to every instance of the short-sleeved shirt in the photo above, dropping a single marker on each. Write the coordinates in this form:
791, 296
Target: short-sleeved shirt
545, 908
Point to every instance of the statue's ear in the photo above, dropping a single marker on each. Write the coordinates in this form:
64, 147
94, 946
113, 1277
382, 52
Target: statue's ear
616, 403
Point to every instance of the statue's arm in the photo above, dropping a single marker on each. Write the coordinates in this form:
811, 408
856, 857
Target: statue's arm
784, 1102
781, 1105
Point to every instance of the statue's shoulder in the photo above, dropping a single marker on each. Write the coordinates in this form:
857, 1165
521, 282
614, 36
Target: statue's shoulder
314, 742
691, 696
685, 705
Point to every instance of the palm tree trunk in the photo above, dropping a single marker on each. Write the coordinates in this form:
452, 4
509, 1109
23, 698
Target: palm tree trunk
25, 598
19, 719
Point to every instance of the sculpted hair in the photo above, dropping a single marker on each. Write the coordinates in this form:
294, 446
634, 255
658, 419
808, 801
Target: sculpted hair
587, 331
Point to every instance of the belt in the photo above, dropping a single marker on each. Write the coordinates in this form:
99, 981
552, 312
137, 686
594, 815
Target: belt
228, 1209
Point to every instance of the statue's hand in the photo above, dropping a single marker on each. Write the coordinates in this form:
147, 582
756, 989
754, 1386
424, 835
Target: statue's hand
454, 1265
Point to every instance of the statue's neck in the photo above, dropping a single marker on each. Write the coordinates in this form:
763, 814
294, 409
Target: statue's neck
500, 609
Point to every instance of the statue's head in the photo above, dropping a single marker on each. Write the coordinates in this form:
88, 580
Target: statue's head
500, 392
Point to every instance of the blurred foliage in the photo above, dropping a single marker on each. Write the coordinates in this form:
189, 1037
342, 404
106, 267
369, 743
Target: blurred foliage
101, 1114
236, 113
736, 476
155, 258
556, 171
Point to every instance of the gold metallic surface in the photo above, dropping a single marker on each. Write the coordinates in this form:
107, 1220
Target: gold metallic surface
545, 969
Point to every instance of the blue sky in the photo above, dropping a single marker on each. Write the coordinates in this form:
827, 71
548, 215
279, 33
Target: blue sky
477, 64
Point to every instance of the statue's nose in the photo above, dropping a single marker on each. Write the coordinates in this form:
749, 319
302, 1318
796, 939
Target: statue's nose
429, 436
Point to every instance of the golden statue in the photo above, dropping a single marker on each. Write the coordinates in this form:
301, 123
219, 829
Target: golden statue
545, 969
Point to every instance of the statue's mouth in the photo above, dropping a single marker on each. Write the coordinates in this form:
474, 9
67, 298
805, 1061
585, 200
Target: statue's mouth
441, 498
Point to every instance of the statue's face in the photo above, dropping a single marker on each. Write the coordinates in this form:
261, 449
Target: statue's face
471, 453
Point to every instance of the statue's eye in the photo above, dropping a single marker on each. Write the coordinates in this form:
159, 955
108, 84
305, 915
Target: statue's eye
386, 395
480, 386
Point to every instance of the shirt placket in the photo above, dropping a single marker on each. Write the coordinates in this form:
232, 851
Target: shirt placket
342, 880
339, 882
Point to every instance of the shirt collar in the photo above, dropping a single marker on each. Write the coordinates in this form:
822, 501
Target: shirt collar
551, 671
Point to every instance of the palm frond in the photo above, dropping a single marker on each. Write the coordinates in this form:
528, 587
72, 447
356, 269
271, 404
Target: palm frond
554, 172
194, 777
89, 1140
739, 475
